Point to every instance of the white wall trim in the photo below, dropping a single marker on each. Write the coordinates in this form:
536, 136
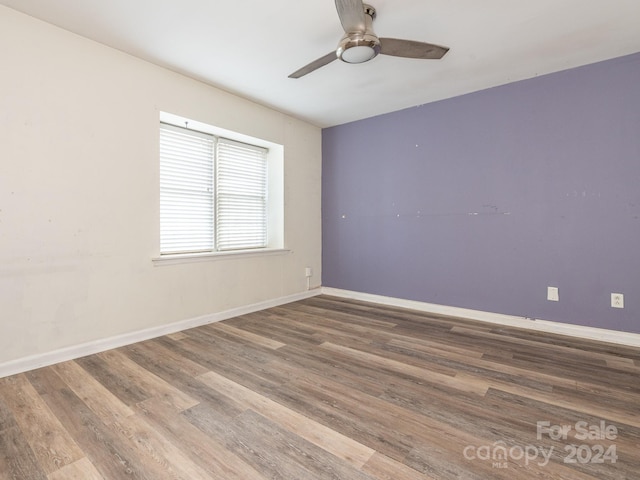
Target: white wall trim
49, 358
180, 258
591, 333
76, 351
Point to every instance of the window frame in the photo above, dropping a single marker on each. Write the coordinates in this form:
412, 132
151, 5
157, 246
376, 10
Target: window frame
274, 195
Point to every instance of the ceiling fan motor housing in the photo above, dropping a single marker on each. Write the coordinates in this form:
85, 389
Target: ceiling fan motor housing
360, 47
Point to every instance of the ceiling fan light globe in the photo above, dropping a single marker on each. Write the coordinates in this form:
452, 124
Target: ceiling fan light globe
358, 48
358, 54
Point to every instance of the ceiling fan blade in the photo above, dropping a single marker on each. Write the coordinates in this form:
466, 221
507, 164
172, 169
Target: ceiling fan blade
351, 13
411, 49
316, 64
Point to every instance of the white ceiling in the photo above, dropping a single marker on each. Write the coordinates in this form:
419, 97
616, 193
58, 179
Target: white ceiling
250, 47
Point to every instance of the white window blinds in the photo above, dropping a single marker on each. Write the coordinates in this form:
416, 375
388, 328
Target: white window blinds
213, 193
186, 191
241, 196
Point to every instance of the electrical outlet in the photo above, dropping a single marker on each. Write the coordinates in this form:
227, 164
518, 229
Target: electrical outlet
617, 300
308, 272
552, 294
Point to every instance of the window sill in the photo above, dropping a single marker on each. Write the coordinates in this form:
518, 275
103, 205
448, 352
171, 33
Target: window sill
180, 258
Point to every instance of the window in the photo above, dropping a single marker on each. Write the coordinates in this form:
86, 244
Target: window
213, 193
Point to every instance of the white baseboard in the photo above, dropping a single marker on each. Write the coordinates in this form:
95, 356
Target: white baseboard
49, 358
42, 360
591, 333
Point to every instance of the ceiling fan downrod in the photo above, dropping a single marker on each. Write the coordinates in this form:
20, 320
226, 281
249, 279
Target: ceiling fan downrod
360, 47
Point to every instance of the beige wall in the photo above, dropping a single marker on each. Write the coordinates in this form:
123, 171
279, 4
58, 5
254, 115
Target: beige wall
79, 195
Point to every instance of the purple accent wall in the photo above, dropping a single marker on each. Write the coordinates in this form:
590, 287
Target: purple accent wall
484, 200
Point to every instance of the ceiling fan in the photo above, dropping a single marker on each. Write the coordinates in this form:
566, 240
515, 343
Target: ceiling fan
360, 44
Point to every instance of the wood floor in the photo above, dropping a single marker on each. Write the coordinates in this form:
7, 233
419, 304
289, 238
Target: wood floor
328, 388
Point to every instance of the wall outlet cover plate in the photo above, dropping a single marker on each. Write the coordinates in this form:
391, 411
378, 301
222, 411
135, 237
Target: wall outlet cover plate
617, 300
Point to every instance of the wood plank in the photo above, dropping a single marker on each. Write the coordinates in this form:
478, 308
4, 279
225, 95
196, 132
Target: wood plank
242, 363
447, 465
159, 354
500, 369
83, 469
45, 380
203, 449
462, 382
277, 328
151, 384
629, 417
273, 450
126, 389
7, 419
358, 415
434, 347
174, 373
156, 449
177, 336
382, 467
17, 460
49, 440
246, 336
101, 401
312, 431
111, 457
